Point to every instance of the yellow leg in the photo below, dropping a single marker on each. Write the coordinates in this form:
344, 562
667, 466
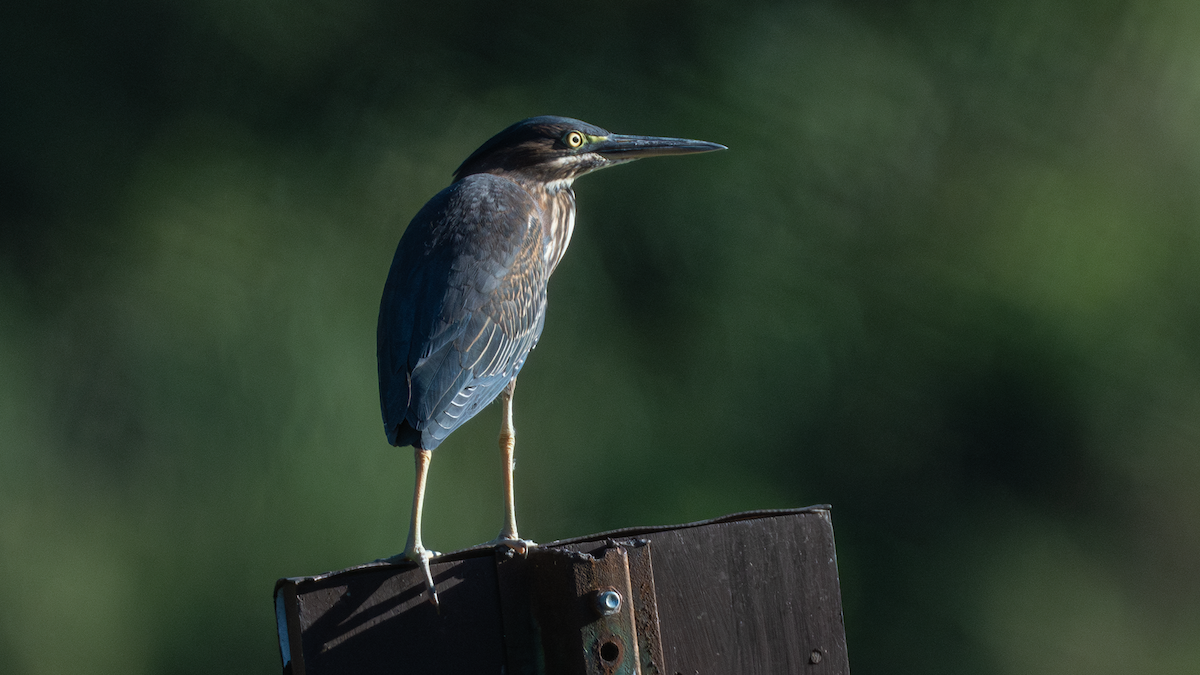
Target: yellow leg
508, 443
414, 550
508, 446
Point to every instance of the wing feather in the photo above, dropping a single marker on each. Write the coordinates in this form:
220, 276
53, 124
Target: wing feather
462, 307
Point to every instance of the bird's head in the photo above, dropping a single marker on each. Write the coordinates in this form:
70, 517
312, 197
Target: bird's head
549, 149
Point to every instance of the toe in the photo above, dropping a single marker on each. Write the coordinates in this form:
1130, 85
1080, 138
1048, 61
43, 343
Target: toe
519, 546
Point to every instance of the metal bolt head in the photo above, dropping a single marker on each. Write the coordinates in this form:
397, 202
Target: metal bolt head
608, 602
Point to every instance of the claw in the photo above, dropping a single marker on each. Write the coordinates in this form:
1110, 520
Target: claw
514, 544
421, 557
433, 596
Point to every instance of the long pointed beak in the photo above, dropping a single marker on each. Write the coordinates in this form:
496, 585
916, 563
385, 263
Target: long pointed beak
618, 147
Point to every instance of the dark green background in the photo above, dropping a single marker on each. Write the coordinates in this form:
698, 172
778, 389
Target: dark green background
946, 278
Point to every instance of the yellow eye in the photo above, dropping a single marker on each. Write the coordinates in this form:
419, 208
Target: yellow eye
573, 139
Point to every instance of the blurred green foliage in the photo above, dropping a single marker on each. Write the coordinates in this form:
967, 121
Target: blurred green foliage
945, 279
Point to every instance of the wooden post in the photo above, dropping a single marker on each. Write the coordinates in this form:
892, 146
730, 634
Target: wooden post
752, 593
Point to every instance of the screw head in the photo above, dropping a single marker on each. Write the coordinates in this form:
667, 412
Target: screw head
608, 602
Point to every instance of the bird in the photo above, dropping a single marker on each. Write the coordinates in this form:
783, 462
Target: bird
465, 298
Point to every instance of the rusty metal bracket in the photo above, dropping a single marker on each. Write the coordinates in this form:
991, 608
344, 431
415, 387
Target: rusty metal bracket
581, 612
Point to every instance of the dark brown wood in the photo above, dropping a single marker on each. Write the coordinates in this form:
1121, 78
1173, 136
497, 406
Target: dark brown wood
753, 593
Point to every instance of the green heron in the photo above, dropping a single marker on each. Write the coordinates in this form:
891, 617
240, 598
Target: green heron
465, 299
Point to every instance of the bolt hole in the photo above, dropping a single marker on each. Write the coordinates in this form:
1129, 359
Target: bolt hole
609, 651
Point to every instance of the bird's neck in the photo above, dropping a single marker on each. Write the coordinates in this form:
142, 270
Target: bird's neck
557, 200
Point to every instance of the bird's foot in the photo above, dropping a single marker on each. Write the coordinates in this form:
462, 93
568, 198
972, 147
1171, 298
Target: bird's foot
515, 545
421, 556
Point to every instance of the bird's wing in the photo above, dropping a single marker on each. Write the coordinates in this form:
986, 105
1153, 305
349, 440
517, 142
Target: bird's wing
462, 307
